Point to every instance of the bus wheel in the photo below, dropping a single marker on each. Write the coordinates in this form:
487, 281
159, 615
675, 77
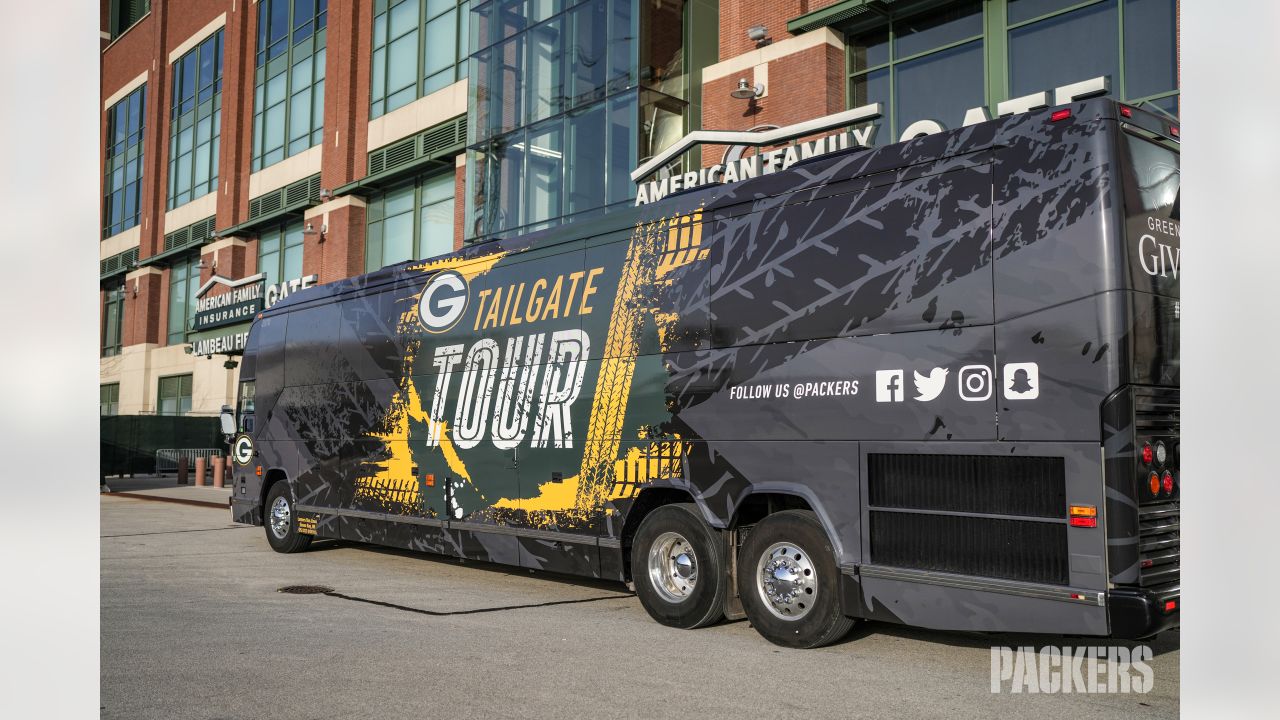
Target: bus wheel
789, 582
281, 521
678, 565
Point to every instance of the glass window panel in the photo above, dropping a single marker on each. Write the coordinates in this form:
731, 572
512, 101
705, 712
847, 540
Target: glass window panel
588, 47
1169, 105
586, 186
1047, 54
436, 228
300, 115
273, 127
622, 42
301, 74
292, 264
1020, 10
276, 87
543, 76
403, 17
402, 66
1150, 47
269, 265
435, 7
279, 27
373, 247
940, 86
926, 32
439, 50
397, 238
437, 188
399, 200
623, 147
379, 88
544, 177
435, 82
870, 88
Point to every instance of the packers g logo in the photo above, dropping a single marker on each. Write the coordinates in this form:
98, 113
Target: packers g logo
443, 301
242, 450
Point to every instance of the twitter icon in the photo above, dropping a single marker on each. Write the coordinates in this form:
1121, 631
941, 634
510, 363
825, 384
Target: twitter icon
929, 387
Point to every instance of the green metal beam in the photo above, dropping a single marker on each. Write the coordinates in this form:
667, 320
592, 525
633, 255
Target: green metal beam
287, 211
376, 182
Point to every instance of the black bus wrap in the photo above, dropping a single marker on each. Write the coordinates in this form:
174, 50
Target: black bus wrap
928, 383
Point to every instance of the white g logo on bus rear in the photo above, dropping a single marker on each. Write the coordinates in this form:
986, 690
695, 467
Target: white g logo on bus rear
443, 301
242, 450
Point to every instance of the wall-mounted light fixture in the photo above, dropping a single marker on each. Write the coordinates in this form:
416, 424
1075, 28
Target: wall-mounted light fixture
310, 229
758, 34
745, 91
136, 283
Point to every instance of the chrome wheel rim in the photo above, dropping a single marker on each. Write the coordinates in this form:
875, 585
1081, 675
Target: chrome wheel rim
280, 517
673, 567
787, 581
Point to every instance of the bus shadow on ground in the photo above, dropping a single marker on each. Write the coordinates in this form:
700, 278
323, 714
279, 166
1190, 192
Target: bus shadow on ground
1166, 642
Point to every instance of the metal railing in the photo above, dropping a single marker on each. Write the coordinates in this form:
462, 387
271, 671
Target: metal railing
167, 458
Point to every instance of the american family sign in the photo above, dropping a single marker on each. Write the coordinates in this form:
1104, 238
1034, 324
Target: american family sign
245, 298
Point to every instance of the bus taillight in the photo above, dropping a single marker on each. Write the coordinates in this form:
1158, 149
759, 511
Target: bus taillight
1062, 114
1147, 454
1083, 516
1168, 483
1154, 482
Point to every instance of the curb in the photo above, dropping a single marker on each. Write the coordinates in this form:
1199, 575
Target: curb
180, 501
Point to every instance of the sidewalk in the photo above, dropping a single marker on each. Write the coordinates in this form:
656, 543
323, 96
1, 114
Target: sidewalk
166, 487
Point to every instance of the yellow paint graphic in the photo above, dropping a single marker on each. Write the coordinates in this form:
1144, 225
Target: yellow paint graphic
658, 461
655, 251
394, 482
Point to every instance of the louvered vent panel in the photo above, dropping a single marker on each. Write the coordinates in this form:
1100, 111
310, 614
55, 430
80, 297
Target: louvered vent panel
177, 238
443, 137
400, 153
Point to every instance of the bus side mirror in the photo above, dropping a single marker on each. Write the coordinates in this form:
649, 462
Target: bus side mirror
228, 420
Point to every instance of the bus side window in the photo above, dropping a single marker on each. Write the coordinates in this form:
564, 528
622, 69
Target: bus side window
244, 406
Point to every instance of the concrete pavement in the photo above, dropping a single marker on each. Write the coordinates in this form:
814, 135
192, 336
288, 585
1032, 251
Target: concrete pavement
193, 627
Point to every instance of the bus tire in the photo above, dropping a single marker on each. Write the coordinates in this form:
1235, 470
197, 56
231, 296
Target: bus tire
789, 582
280, 520
678, 565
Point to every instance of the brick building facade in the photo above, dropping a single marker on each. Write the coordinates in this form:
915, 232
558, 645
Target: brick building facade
312, 140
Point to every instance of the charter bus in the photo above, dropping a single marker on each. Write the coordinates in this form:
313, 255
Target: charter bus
932, 383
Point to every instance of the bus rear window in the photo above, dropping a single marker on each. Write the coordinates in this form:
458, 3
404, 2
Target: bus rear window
1154, 175
1153, 236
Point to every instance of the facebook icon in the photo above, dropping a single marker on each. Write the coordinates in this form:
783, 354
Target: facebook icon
888, 386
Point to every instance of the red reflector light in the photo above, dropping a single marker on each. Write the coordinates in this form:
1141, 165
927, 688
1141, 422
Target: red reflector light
1086, 522
1168, 482
1173, 130
1170, 605
1126, 111
259, 471
1148, 454
431, 480
1154, 482
1062, 114
1148, 563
